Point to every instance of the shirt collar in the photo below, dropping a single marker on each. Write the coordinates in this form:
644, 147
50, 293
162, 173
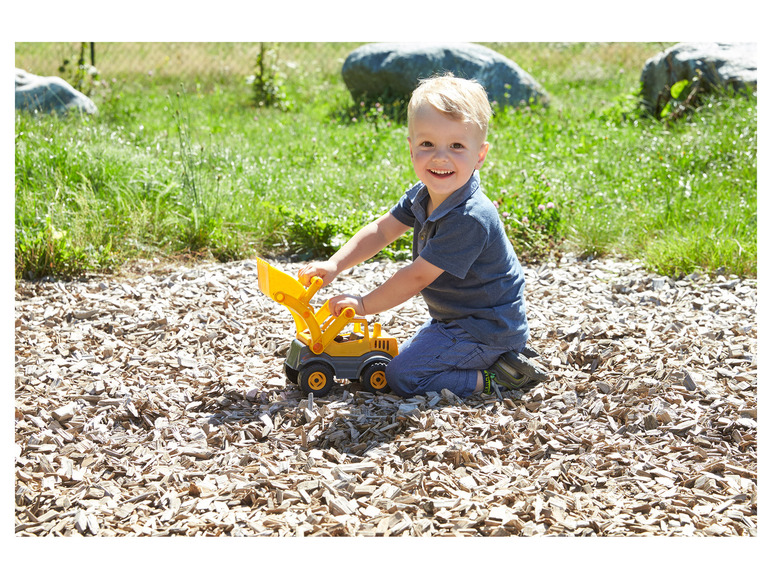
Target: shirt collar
455, 199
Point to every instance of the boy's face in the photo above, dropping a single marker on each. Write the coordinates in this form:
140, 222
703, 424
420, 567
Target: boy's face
445, 152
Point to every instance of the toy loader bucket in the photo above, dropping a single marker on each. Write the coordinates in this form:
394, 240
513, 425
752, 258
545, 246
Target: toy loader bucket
273, 282
315, 330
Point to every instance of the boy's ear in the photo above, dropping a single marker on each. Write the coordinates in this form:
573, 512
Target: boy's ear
481, 155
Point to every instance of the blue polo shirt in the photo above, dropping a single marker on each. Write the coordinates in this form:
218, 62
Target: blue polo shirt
481, 287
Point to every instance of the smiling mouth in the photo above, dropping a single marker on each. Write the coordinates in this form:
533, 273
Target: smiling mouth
440, 173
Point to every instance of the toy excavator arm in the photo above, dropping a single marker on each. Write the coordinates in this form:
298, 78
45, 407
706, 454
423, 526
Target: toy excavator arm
319, 329
331, 326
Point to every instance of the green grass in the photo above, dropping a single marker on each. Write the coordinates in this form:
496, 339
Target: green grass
182, 161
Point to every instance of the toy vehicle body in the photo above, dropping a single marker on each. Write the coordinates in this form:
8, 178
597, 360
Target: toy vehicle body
322, 350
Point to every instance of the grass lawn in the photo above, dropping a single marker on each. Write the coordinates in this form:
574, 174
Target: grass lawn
181, 159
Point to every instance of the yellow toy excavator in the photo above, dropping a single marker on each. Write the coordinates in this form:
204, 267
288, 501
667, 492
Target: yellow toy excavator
321, 350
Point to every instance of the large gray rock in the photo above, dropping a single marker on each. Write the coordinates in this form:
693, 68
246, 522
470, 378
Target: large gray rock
721, 64
49, 93
394, 69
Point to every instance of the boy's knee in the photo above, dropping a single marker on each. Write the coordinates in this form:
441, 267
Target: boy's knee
395, 379
392, 378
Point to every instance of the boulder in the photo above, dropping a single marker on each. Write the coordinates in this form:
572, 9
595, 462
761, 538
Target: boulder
724, 65
393, 70
47, 94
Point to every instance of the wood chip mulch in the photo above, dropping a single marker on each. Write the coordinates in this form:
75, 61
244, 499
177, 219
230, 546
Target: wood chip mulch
154, 403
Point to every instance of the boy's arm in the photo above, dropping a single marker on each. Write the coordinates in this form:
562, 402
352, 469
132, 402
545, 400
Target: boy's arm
400, 287
365, 243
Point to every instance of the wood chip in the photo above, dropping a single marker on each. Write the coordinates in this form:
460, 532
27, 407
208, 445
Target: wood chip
154, 403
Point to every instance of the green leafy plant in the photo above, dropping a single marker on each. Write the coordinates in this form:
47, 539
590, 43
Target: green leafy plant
268, 81
531, 217
50, 251
82, 76
309, 235
623, 108
534, 230
682, 96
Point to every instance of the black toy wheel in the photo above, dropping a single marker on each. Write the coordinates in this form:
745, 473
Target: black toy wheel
316, 378
374, 378
291, 373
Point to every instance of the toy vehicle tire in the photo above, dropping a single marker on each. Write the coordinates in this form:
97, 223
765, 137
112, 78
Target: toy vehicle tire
373, 378
316, 378
291, 373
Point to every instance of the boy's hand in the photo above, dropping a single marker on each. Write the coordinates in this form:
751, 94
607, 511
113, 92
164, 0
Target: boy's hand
323, 269
343, 301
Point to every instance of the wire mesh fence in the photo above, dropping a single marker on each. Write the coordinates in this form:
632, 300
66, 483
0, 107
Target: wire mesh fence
220, 60
174, 59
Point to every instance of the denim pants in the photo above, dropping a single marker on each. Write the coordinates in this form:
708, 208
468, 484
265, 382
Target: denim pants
439, 356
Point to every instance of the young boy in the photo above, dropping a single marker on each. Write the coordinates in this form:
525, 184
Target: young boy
463, 264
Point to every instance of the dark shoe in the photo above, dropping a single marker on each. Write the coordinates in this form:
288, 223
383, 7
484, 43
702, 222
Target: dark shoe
516, 370
529, 352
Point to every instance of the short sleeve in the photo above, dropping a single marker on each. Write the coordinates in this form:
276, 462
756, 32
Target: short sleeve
403, 210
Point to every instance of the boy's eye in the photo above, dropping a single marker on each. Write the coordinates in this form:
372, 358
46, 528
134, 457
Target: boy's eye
457, 146
426, 144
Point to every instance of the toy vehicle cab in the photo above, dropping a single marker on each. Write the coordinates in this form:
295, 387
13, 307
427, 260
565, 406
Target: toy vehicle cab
322, 350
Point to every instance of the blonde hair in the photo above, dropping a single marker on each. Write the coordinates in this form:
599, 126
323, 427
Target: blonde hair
460, 99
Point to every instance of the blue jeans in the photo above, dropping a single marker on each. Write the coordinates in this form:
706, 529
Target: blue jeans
439, 356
